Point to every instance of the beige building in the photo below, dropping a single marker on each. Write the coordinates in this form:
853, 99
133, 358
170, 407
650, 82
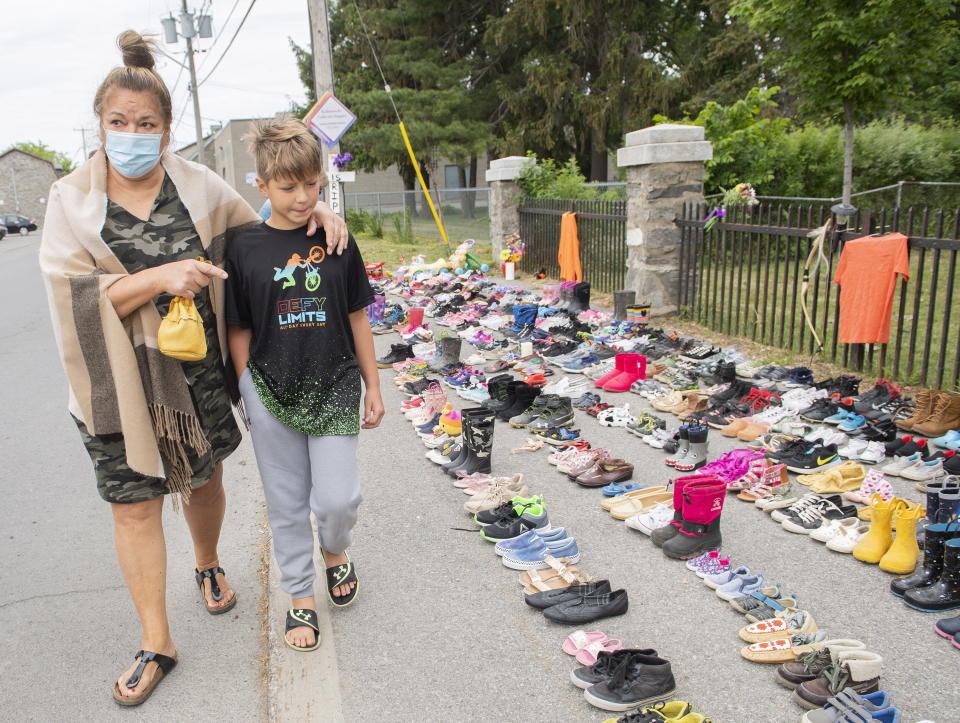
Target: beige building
226, 153
25, 181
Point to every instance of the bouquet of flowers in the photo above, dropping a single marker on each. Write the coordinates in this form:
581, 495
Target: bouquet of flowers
743, 194
514, 249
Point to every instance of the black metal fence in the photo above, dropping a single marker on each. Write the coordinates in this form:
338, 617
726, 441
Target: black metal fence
601, 226
744, 277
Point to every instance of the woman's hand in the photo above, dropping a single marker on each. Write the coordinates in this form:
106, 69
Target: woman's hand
187, 278
334, 227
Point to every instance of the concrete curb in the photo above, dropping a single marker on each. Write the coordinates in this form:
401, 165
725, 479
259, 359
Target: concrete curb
301, 686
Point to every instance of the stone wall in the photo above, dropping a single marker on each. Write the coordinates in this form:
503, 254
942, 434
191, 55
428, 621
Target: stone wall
656, 194
34, 176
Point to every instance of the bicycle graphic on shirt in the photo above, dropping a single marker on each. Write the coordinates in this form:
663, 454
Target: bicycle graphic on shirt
311, 279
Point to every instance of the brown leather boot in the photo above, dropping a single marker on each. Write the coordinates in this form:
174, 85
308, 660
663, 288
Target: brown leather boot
925, 403
944, 417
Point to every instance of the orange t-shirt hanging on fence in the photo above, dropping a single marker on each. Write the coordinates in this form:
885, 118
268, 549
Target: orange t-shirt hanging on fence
569, 253
867, 275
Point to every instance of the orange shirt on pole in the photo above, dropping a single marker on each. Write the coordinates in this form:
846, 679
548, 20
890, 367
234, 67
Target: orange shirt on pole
568, 254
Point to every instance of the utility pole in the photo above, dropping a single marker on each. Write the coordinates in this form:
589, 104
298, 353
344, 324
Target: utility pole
193, 80
188, 31
322, 67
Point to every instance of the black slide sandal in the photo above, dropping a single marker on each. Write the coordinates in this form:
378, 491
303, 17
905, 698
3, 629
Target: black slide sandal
215, 592
342, 575
302, 618
165, 664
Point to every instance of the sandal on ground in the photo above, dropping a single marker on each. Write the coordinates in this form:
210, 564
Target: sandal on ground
302, 618
531, 445
342, 575
164, 665
215, 592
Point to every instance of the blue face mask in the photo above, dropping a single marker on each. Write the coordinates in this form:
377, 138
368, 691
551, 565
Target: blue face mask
133, 154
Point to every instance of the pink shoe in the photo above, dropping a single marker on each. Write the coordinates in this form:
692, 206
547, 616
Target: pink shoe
629, 373
580, 639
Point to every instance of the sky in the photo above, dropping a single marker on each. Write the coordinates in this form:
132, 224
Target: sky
56, 52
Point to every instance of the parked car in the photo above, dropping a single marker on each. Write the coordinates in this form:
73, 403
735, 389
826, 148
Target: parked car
16, 223
3, 231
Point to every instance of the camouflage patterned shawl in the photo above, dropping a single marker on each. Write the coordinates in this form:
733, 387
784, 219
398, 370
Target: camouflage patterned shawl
119, 381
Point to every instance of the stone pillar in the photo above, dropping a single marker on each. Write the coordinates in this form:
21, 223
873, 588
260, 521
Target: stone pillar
664, 166
504, 199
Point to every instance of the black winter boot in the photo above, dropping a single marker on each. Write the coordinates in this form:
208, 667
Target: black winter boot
580, 298
499, 389
523, 396
944, 594
448, 353
461, 454
397, 353
479, 445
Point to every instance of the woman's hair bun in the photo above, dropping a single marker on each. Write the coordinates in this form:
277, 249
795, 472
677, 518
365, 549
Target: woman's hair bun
138, 51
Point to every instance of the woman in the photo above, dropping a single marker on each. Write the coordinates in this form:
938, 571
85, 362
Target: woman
122, 237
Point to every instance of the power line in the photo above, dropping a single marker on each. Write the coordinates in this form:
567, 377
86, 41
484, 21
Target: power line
226, 23
230, 44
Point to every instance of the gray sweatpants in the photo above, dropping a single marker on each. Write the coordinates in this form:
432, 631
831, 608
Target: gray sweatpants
300, 474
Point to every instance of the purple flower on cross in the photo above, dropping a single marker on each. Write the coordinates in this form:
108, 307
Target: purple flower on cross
342, 160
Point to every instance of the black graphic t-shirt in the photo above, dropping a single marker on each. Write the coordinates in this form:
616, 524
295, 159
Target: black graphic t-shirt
295, 298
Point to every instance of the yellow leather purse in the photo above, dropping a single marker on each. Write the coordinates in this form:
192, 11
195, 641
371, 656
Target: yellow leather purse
181, 333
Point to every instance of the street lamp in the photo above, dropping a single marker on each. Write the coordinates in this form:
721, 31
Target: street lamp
188, 30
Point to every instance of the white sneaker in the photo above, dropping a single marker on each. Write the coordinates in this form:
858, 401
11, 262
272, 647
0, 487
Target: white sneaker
853, 449
616, 416
847, 537
816, 434
830, 528
921, 471
898, 464
874, 453
658, 437
646, 522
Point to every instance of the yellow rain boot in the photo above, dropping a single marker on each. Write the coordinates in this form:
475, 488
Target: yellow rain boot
902, 556
876, 542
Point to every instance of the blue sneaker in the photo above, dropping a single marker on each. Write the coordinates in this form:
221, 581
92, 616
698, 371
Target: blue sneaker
948, 441
841, 415
530, 538
621, 488
533, 557
852, 423
577, 366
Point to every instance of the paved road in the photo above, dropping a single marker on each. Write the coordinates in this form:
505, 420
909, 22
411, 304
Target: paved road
440, 631
66, 620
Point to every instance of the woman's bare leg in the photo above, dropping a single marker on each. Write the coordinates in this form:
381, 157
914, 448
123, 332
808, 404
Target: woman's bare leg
142, 552
205, 517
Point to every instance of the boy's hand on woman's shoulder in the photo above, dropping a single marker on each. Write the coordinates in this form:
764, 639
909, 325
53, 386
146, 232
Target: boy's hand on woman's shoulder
333, 226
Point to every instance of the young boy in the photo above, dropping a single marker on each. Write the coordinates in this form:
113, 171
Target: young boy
300, 342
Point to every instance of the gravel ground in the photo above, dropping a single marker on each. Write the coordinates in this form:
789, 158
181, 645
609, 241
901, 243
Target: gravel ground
441, 631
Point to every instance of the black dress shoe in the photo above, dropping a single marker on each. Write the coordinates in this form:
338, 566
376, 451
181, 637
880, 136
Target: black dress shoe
588, 608
549, 598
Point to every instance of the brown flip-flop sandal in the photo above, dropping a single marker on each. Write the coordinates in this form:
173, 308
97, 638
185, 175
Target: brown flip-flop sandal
215, 592
164, 665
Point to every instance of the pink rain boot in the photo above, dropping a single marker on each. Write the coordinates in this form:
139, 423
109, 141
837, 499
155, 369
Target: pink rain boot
700, 530
414, 319
662, 534
630, 374
617, 371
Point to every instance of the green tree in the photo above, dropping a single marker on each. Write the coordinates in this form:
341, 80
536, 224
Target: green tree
429, 77
851, 59
44, 151
587, 71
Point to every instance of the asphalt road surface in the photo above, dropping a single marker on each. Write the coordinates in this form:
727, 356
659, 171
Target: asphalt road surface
439, 632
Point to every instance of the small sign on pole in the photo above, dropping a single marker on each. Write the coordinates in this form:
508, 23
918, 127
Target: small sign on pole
329, 119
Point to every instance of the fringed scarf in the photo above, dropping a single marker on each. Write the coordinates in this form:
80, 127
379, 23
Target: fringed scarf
119, 381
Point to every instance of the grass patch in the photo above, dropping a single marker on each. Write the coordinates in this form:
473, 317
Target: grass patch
394, 253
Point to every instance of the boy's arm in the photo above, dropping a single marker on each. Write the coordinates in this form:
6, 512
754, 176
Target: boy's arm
238, 340
367, 361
